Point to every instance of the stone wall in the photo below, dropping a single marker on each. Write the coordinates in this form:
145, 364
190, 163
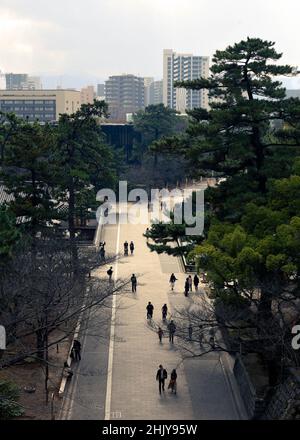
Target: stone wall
285, 402
255, 406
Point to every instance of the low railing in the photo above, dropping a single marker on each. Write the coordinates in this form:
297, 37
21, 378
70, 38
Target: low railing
188, 267
254, 405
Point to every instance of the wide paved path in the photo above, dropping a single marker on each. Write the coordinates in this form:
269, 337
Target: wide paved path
132, 392
116, 376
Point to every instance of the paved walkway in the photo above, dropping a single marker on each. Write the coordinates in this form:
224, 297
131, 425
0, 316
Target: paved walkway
127, 389
203, 391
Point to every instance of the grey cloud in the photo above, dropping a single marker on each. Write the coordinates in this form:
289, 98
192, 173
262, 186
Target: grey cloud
95, 38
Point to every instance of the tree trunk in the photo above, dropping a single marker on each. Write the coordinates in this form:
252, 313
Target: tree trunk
46, 357
71, 224
40, 344
265, 305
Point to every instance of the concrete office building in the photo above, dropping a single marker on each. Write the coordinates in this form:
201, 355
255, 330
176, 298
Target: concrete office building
41, 105
124, 94
87, 95
183, 67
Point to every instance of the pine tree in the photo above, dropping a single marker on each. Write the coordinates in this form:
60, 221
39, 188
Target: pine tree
235, 138
84, 163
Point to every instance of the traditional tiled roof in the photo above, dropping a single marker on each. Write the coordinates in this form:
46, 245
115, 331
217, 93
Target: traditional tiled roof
4, 196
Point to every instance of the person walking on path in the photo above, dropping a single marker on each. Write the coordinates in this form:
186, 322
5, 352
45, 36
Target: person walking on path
164, 311
161, 376
173, 382
133, 283
160, 334
190, 281
196, 282
173, 279
186, 287
102, 253
125, 248
131, 246
109, 273
172, 330
149, 309
77, 350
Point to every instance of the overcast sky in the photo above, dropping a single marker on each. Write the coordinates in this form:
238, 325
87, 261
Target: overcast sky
76, 42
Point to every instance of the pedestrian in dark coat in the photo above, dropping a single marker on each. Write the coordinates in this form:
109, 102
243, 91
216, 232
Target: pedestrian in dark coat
77, 350
164, 311
109, 273
173, 382
161, 376
173, 279
131, 247
149, 309
160, 334
196, 282
186, 287
102, 253
172, 330
133, 283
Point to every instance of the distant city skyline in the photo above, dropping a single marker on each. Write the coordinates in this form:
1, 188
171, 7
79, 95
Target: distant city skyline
72, 44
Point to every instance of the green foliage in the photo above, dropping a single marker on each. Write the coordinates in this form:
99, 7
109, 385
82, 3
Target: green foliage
157, 121
27, 174
84, 163
250, 136
263, 247
153, 124
235, 138
9, 234
9, 394
9, 124
45, 166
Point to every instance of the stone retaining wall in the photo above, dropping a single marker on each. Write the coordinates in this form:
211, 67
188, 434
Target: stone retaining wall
285, 402
254, 405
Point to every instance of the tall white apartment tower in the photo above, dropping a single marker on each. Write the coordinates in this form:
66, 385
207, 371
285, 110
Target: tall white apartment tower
183, 67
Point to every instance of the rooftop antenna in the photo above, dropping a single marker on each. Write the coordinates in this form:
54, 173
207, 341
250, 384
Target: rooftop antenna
59, 83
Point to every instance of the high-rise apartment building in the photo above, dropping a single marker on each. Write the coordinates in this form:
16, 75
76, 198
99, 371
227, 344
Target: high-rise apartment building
41, 105
101, 90
87, 95
183, 67
16, 81
22, 81
147, 83
156, 92
2, 81
33, 83
124, 94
